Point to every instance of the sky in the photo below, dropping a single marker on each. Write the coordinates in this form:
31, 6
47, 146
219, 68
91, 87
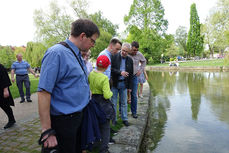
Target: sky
17, 26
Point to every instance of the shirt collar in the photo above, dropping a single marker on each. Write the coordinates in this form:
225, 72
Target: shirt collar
109, 53
73, 46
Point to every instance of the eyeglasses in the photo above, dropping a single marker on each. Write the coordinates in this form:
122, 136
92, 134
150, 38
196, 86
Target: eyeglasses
135, 50
92, 40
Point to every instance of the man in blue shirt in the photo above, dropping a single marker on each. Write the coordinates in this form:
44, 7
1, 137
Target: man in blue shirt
113, 48
21, 69
63, 87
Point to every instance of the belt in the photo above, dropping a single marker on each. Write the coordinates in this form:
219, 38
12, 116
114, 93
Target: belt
21, 74
121, 80
66, 115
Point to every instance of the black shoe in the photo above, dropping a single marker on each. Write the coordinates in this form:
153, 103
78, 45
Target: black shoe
29, 100
135, 116
113, 131
9, 124
112, 141
22, 101
126, 123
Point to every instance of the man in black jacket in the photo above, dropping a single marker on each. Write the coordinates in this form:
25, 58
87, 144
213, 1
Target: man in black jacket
121, 74
6, 99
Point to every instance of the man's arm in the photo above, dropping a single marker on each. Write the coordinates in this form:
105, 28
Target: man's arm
143, 64
31, 70
12, 75
44, 100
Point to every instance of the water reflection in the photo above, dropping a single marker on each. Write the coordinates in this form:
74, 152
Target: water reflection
195, 83
189, 112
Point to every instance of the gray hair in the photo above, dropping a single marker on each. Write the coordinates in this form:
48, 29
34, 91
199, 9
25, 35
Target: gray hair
125, 44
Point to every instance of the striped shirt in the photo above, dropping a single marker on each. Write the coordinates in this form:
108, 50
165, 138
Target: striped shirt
20, 68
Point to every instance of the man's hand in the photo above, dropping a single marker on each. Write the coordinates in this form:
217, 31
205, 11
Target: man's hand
138, 73
50, 142
129, 96
124, 74
36, 75
6, 93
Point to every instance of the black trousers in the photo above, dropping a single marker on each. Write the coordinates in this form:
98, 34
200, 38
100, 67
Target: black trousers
68, 131
8, 110
105, 134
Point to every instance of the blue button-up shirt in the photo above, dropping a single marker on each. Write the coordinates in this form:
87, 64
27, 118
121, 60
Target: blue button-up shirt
20, 68
122, 68
62, 76
108, 70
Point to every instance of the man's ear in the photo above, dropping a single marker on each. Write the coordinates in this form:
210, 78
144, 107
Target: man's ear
82, 35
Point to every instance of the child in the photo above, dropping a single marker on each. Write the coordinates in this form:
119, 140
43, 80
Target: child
141, 79
101, 93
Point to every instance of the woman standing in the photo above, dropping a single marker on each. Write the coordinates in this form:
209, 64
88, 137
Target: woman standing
6, 99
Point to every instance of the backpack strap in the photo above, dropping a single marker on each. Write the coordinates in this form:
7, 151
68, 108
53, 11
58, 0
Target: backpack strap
67, 46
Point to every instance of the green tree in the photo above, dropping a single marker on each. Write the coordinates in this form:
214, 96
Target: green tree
146, 24
181, 39
54, 26
34, 53
218, 26
103, 23
172, 51
19, 50
101, 43
6, 56
80, 8
147, 14
195, 40
209, 38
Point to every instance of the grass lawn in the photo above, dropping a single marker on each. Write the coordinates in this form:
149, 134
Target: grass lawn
33, 87
216, 62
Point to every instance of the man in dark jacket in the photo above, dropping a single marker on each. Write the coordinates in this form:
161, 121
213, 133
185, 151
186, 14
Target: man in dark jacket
6, 99
121, 74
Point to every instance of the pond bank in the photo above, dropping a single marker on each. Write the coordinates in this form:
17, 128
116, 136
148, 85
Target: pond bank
128, 139
195, 68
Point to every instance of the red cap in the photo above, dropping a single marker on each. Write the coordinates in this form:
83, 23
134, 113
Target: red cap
103, 61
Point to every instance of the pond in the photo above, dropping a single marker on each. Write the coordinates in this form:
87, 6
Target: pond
189, 113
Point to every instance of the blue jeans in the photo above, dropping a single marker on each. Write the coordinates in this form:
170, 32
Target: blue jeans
20, 80
134, 98
122, 91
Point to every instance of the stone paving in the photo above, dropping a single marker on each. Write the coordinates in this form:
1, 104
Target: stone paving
23, 137
128, 139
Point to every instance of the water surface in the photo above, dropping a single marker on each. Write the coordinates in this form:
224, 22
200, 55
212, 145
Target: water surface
189, 112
